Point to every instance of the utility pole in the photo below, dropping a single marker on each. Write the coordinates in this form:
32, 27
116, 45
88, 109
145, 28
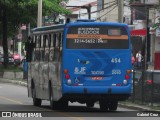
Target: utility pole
4, 27
39, 19
147, 40
120, 11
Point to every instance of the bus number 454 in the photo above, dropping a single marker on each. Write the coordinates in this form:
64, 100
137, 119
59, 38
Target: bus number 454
115, 60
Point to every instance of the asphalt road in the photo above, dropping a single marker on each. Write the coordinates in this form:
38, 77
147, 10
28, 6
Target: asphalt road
14, 98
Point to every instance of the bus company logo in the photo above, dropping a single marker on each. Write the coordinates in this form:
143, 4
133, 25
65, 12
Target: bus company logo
6, 114
81, 70
21, 114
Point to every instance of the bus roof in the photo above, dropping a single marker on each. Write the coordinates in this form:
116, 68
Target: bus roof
97, 23
58, 27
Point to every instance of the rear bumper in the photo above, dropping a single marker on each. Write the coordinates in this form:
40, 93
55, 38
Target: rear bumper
95, 97
95, 93
97, 89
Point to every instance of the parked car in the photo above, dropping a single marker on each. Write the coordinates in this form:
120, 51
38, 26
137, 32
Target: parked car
17, 59
10, 59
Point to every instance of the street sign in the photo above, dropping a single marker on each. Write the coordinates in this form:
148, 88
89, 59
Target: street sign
23, 27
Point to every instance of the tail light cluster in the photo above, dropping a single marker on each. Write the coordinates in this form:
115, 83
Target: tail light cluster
67, 76
127, 77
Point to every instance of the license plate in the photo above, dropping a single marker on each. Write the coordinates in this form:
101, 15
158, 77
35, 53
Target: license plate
96, 78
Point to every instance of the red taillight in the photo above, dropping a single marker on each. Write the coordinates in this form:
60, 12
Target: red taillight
76, 84
149, 81
127, 77
67, 76
118, 84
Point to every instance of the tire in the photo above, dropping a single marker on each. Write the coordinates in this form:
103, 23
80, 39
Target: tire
113, 106
63, 104
103, 106
90, 104
36, 101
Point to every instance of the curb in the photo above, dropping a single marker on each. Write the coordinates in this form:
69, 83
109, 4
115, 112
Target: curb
135, 107
18, 82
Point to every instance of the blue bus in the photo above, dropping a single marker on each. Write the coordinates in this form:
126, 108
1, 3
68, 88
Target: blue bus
85, 62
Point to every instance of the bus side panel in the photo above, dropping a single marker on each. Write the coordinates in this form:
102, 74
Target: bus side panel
33, 77
55, 75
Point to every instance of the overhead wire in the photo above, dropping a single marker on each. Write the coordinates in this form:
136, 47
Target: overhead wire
107, 12
100, 10
137, 10
105, 3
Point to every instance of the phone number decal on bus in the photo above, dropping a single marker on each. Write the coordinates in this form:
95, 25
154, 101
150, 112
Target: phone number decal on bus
89, 41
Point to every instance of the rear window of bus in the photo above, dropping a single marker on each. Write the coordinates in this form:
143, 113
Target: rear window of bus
97, 37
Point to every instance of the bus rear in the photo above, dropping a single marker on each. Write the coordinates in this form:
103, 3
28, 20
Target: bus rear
96, 62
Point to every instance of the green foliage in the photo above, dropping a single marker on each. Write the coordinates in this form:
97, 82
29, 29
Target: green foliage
25, 11
15, 12
11, 68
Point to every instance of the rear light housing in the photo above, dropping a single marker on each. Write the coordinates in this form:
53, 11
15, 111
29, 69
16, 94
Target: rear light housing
67, 76
127, 77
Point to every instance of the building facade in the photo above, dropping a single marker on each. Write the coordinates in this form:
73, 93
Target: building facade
144, 19
82, 13
108, 11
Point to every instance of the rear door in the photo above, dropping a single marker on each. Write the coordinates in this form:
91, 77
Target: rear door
96, 55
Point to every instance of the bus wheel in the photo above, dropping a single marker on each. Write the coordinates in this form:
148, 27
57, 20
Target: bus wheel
36, 101
113, 106
103, 105
90, 104
63, 104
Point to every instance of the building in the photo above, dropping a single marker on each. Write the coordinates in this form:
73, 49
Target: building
150, 18
144, 19
108, 11
81, 13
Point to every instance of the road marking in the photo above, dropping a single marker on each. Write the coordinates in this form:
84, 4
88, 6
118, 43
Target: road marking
69, 115
15, 101
63, 114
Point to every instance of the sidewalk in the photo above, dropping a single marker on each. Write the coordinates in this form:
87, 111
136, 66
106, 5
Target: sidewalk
125, 104
22, 82
130, 105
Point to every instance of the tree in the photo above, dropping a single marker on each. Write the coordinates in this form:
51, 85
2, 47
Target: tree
16, 12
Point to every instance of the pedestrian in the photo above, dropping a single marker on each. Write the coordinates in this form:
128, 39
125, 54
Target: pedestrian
133, 60
139, 60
